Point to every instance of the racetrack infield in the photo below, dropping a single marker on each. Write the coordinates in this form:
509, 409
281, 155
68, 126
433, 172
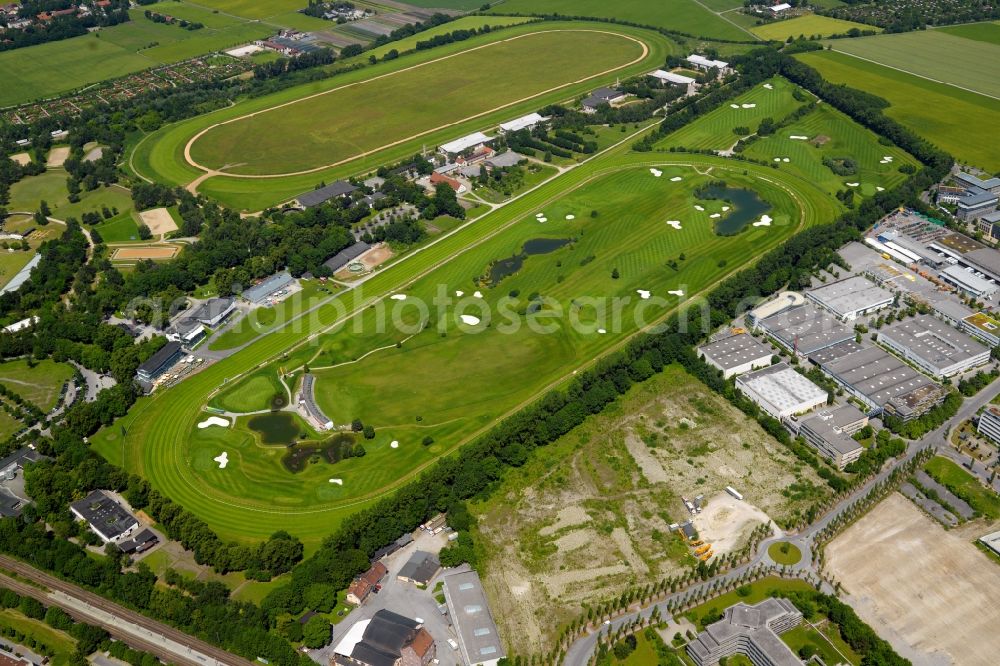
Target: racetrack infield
348, 121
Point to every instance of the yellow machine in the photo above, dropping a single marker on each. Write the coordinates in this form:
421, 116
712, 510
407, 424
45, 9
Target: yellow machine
701, 550
706, 556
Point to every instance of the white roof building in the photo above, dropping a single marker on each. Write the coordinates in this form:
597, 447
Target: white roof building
671, 77
21, 325
706, 63
777, 9
967, 281
464, 143
781, 391
524, 122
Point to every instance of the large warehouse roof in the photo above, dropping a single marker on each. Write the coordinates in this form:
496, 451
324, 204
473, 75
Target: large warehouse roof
934, 341
671, 77
968, 281
470, 141
806, 328
734, 351
874, 373
784, 388
846, 298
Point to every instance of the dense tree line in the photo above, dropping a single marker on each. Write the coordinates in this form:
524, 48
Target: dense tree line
281, 66
61, 259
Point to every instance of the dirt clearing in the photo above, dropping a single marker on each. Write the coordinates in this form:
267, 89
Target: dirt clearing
727, 522
150, 252
23, 159
929, 592
158, 220
57, 156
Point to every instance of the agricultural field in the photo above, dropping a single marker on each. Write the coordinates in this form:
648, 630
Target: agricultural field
988, 32
934, 54
590, 513
898, 567
160, 156
362, 373
464, 23
40, 382
505, 72
941, 113
810, 25
686, 16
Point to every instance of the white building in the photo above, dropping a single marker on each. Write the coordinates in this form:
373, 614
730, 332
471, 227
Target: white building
462, 144
781, 391
966, 280
989, 423
851, 298
736, 354
524, 122
779, 8
671, 77
706, 64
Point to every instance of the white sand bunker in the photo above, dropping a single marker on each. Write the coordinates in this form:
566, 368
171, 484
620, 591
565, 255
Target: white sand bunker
697, 207
798, 137
213, 421
477, 294
398, 297
676, 224
749, 106
676, 292
880, 189
769, 86
222, 459
655, 172
543, 220
539, 214
735, 106
887, 158
571, 217
643, 293
394, 444
459, 293
601, 331
785, 159
725, 209
764, 221
852, 184
469, 319
675, 179
339, 482
715, 215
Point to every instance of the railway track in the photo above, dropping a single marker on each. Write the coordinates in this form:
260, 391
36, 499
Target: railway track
166, 642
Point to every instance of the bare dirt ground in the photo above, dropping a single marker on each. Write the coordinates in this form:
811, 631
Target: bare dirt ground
158, 220
21, 158
149, 252
373, 258
589, 515
57, 156
726, 522
929, 592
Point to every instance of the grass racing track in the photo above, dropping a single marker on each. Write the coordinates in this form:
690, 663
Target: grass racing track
252, 506
414, 118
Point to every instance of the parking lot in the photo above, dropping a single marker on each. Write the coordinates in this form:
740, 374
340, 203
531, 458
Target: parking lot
405, 599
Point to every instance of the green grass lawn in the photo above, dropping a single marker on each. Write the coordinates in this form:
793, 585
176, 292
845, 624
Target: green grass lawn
935, 54
758, 591
119, 229
263, 319
805, 634
965, 485
681, 15
461, 383
9, 425
810, 25
784, 553
988, 31
363, 117
941, 113
251, 394
253, 9
27, 193
40, 384
60, 645
11, 262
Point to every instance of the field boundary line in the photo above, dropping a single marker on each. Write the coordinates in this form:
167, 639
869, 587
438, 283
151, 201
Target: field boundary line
727, 20
209, 172
919, 76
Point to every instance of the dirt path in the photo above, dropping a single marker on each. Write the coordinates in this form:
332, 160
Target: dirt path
193, 185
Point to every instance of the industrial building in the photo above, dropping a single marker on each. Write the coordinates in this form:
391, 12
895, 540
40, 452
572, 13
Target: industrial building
805, 329
989, 423
934, 346
830, 430
781, 391
736, 354
749, 630
878, 379
851, 298
983, 326
951, 311
779, 303
470, 612
966, 281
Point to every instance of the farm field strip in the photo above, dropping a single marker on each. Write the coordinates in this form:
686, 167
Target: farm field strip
932, 54
213, 147
941, 113
808, 25
183, 401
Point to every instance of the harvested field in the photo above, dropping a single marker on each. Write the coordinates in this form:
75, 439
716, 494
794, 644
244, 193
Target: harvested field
21, 158
158, 220
929, 592
57, 156
590, 514
158, 252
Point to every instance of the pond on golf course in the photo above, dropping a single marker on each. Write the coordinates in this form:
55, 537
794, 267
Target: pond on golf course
275, 428
340, 446
502, 268
747, 207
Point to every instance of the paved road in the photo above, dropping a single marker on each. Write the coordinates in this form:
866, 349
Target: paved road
167, 643
580, 651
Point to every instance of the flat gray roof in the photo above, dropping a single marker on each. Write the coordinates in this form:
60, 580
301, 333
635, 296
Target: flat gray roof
850, 295
968, 280
470, 612
986, 258
932, 340
268, 286
806, 328
949, 308
876, 374
735, 350
783, 387
829, 424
